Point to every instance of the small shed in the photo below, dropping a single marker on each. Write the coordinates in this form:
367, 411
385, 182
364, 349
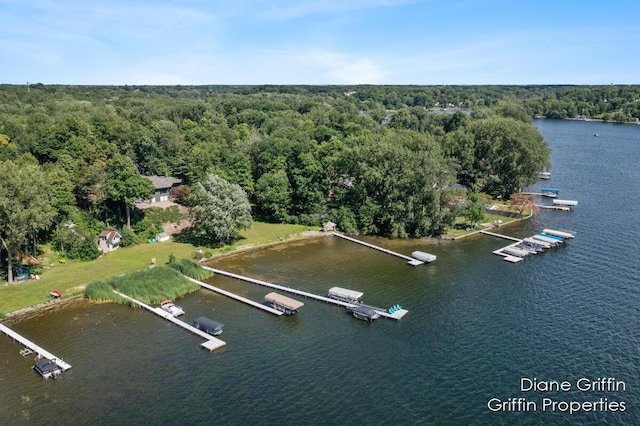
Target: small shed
329, 227
163, 236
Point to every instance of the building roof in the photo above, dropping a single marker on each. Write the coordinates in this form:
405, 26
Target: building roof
163, 182
110, 235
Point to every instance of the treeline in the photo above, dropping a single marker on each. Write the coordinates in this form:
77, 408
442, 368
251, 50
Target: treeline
373, 159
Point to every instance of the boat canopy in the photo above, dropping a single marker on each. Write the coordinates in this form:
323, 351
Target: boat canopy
558, 233
554, 190
283, 301
565, 202
534, 242
425, 257
207, 323
515, 251
345, 292
551, 241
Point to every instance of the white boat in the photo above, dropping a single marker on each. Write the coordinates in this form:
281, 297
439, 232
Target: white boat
167, 305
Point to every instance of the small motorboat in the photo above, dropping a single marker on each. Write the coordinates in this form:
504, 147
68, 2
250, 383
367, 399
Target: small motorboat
169, 306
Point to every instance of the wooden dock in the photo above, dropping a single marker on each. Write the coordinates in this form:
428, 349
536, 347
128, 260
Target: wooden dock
410, 260
396, 315
236, 297
506, 237
35, 348
563, 208
211, 344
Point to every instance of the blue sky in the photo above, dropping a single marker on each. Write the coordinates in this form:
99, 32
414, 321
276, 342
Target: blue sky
192, 42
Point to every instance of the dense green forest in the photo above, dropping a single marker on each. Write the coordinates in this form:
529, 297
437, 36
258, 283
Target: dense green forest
387, 160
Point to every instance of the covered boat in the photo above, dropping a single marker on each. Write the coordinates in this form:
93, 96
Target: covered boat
208, 325
425, 257
365, 313
47, 368
283, 303
345, 295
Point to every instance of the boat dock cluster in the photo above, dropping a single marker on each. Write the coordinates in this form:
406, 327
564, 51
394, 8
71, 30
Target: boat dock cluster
517, 251
47, 364
557, 204
349, 299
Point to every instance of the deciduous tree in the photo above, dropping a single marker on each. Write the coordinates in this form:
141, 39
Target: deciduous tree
25, 206
218, 210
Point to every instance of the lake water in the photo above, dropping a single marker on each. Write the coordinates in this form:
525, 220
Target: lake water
476, 327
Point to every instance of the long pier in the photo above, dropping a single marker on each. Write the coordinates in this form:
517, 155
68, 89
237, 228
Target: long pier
35, 348
493, 234
236, 297
212, 343
396, 315
409, 259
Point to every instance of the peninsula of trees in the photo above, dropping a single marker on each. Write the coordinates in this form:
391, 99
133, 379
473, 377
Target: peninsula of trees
387, 160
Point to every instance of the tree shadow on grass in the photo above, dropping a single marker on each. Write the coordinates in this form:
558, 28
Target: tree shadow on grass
188, 236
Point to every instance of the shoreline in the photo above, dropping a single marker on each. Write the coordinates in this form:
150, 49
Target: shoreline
43, 308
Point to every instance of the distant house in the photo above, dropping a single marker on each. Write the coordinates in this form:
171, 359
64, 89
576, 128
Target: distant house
163, 236
329, 227
109, 240
162, 187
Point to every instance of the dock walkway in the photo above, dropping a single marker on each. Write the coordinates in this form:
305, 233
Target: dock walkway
212, 343
493, 234
35, 348
396, 315
236, 297
409, 259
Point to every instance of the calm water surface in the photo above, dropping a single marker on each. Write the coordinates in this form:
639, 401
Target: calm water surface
476, 326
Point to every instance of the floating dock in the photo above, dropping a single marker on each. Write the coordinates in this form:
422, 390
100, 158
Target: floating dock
211, 344
397, 315
410, 260
235, 296
34, 348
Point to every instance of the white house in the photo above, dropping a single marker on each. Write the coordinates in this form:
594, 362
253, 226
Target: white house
109, 240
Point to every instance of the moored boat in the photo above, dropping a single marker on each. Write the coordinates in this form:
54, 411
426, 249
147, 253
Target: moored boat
47, 368
208, 325
169, 306
364, 312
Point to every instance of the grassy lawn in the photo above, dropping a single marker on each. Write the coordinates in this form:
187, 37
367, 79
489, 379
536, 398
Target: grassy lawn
461, 224
72, 277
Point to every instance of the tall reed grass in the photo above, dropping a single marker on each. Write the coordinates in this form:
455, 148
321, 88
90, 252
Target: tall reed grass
190, 268
148, 285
